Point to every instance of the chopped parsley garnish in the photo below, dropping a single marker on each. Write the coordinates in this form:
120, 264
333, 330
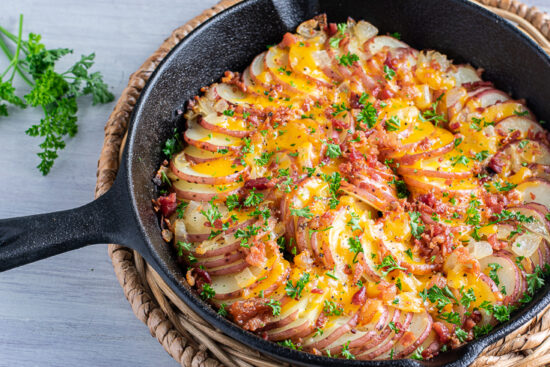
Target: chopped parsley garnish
401, 188
354, 222
521, 113
363, 98
232, 201
440, 296
207, 291
507, 186
228, 112
368, 115
396, 35
246, 233
331, 309
482, 330
460, 159
333, 150
334, 187
355, 246
253, 199
393, 327
345, 351
467, 297
389, 263
289, 344
416, 228
339, 108
432, 115
451, 317
275, 306
393, 124
389, 73
172, 145
481, 156
183, 246
417, 354
264, 158
180, 209
304, 212
500, 312
461, 335
347, 59
222, 311
295, 291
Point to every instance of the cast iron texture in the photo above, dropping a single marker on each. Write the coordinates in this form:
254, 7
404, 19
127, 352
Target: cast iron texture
229, 41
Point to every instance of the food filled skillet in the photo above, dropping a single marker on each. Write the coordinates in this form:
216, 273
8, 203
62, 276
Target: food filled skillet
231, 45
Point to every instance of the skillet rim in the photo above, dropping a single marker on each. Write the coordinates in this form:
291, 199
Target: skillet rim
464, 355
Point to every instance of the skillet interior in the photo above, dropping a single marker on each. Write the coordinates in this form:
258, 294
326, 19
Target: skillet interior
230, 40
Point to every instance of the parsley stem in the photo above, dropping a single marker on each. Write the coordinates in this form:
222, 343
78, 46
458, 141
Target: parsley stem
15, 59
6, 51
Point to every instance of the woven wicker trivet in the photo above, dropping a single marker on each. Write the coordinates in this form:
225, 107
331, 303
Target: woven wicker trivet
183, 334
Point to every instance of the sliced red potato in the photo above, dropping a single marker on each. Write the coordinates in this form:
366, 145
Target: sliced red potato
439, 148
465, 74
500, 111
215, 172
418, 332
490, 97
517, 154
202, 138
383, 350
200, 192
197, 155
228, 125
456, 187
507, 273
535, 191
376, 195
333, 330
360, 335
525, 126
381, 43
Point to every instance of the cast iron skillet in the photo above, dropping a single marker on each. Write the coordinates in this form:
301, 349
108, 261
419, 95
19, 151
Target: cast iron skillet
229, 41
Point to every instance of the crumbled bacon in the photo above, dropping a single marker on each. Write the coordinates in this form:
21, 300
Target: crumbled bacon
251, 314
495, 243
359, 297
168, 204
495, 202
256, 256
288, 40
443, 334
261, 183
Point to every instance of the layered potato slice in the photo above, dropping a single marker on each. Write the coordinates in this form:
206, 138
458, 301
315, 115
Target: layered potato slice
347, 195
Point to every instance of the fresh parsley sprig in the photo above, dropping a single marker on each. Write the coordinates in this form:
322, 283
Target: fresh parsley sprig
55, 93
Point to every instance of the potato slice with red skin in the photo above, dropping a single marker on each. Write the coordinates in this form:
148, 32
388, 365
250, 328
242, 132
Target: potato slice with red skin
226, 175
383, 351
508, 275
219, 124
535, 191
418, 331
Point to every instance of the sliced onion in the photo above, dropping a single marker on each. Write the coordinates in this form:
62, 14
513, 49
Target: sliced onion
364, 31
526, 244
480, 249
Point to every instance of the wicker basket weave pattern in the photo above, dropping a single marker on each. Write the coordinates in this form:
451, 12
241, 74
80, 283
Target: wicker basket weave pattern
184, 335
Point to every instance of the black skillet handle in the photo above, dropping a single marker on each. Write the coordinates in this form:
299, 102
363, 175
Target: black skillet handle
27, 239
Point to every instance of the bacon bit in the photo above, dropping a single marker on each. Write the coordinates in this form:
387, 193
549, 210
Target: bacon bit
360, 297
168, 204
386, 93
332, 28
261, 183
442, 332
495, 243
321, 320
257, 256
251, 314
317, 291
387, 291
455, 125
431, 351
288, 40
495, 202
496, 164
